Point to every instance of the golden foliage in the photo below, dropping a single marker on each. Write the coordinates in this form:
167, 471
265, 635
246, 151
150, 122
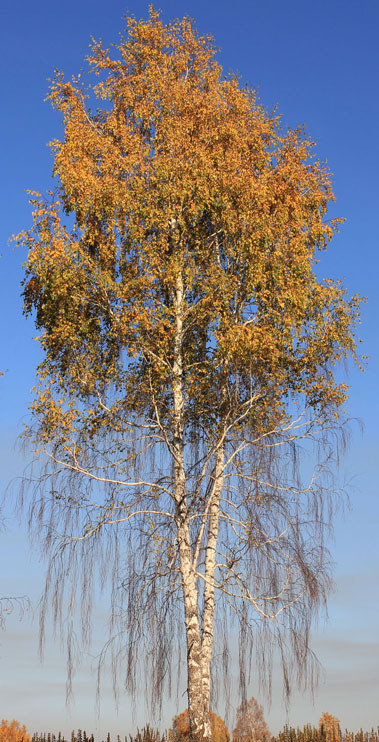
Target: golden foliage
180, 170
250, 723
330, 725
180, 731
12, 731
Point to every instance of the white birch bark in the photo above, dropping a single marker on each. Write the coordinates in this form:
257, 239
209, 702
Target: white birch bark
209, 574
198, 701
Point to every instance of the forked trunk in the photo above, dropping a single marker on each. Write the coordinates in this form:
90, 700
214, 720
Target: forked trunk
199, 638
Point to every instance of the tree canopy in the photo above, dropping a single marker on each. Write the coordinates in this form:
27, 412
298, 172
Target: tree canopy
181, 171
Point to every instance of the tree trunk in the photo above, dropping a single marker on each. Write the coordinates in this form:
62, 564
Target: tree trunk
198, 694
209, 573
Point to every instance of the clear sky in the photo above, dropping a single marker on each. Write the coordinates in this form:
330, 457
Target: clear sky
318, 62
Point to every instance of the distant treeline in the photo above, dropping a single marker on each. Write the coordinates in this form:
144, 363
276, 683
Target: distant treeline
148, 734
288, 734
320, 734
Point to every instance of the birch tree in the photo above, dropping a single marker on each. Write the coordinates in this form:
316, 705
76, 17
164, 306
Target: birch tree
250, 723
189, 358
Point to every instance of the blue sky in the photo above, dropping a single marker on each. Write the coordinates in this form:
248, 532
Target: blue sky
318, 63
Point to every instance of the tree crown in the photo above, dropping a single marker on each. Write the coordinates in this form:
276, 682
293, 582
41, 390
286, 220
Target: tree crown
181, 172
